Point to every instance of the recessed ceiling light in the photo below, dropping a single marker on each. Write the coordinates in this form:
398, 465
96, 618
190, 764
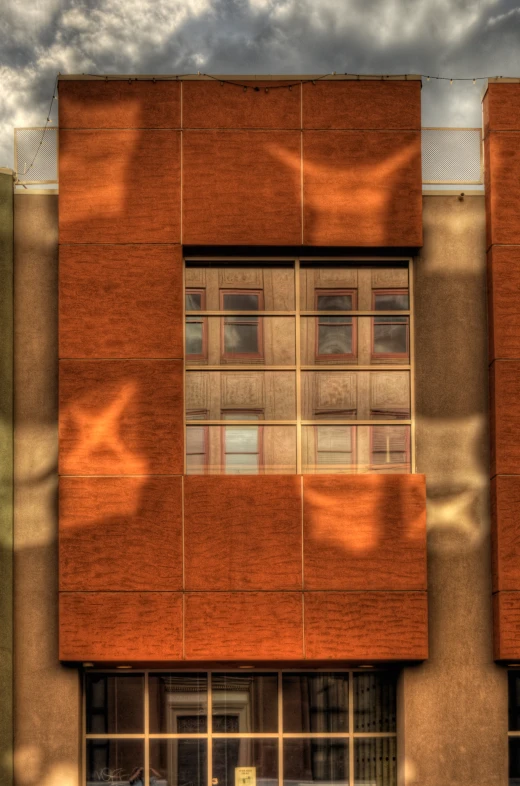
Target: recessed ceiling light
246, 667
87, 665
365, 666
123, 667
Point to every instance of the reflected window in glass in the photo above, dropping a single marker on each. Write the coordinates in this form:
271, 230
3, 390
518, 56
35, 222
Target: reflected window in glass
390, 447
196, 326
391, 333
242, 444
115, 703
242, 334
335, 339
245, 703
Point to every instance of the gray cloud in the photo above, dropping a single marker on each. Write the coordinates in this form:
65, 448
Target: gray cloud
449, 37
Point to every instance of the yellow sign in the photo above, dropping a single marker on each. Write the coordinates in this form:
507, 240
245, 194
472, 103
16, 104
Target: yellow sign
245, 776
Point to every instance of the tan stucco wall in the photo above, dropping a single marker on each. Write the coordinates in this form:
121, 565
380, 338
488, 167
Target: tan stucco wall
454, 706
47, 713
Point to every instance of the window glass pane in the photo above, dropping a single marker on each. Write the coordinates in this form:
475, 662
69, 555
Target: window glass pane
514, 700
375, 762
334, 302
334, 339
315, 761
390, 339
241, 439
267, 395
514, 761
367, 395
118, 762
195, 440
351, 449
354, 341
229, 756
266, 341
178, 703
276, 450
245, 703
194, 337
115, 703
240, 301
374, 702
242, 339
193, 301
315, 702
391, 301
178, 763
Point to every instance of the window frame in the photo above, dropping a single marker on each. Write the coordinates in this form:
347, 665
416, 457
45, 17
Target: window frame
318, 292
241, 356
390, 355
203, 320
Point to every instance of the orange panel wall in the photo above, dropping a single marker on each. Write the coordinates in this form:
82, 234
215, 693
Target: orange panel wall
502, 159
156, 566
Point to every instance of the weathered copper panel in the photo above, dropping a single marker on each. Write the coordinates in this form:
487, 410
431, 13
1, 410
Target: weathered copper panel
120, 534
121, 417
243, 533
120, 186
121, 301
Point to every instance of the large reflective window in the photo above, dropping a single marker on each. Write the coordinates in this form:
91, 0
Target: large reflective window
178, 703
245, 703
178, 763
315, 702
115, 703
316, 761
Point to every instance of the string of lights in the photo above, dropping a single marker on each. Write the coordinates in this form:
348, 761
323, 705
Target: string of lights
249, 86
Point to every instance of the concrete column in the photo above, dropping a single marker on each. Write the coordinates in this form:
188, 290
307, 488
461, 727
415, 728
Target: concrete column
47, 697
6, 477
453, 724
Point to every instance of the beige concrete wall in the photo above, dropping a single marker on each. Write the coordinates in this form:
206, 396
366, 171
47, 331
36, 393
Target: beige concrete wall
47, 706
454, 707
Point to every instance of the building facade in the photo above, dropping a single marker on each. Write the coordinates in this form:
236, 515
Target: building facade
263, 526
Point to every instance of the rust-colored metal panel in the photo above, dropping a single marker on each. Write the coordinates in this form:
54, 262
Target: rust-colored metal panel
506, 626
505, 417
502, 107
120, 301
505, 504
243, 533
242, 187
363, 105
362, 188
120, 534
366, 626
120, 626
243, 625
119, 104
503, 188
119, 186
121, 417
215, 105
364, 532
504, 303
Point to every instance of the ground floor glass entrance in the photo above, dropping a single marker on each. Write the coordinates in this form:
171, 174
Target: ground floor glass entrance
240, 728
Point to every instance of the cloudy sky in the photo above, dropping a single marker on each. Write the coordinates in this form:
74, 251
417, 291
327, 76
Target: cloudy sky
464, 38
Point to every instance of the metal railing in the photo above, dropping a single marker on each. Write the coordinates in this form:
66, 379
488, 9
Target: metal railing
450, 156
36, 155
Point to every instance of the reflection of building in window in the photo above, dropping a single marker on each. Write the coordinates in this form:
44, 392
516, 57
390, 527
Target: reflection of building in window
196, 326
390, 447
335, 447
197, 444
242, 334
335, 336
300, 343
390, 334
242, 445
